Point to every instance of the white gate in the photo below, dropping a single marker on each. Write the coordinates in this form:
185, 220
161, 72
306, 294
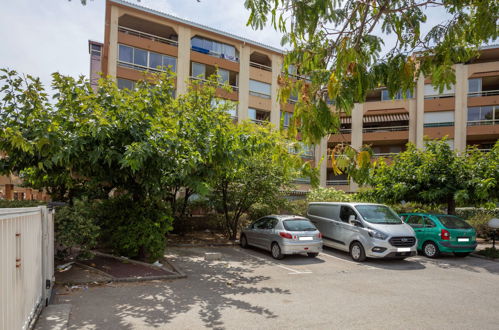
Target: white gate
26, 264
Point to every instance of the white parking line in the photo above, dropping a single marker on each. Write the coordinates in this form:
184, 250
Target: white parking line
293, 271
348, 261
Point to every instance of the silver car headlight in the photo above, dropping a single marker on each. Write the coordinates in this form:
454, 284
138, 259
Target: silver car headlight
377, 234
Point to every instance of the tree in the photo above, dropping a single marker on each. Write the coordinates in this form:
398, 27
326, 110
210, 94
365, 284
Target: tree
339, 48
436, 175
253, 166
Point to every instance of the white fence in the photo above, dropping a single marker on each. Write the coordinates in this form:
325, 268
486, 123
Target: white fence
26, 264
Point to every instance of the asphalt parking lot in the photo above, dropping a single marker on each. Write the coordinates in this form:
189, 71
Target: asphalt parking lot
248, 289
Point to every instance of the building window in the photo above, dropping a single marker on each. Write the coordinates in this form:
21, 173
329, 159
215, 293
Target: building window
214, 48
430, 92
286, 118
95, 50
140, 59
486, 115
125, 84
232, 108
385, 95
439, 118
258, 116
260, 89
475, 86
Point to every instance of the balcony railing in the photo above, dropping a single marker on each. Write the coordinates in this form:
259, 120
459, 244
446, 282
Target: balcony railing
438, 96
137, 67
449, 123
260, 122
385, 154
345, 130
145, 35
483, 122
385, 129
261, 66
337, 183
234, 88
265, 96
301, 180
484, 93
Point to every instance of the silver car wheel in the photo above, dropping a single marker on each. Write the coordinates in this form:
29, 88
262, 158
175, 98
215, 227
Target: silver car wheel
356, 252
430, 250
275, 251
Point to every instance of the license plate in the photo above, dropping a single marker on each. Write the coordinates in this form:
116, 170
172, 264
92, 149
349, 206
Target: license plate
306, 238
463, 239
403, 249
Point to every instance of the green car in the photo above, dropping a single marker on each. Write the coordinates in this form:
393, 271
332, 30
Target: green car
437, 233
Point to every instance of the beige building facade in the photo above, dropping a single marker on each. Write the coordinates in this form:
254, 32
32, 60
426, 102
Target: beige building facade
138, 39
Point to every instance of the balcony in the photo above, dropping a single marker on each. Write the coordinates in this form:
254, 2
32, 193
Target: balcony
382, 129
148, 36
220, 85
484, 93
337, 182
214, 48
483, 122
260, 66
259, 117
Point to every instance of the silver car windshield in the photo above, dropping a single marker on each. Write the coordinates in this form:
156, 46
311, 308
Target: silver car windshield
298, 225
378, 214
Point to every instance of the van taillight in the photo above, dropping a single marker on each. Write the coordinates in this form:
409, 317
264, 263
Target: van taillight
285, 235
319, 235
445, 235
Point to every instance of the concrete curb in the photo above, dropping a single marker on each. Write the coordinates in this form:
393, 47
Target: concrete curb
175, 269
203, 245
483, 257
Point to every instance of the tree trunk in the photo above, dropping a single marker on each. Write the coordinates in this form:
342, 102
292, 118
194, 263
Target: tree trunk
451, 205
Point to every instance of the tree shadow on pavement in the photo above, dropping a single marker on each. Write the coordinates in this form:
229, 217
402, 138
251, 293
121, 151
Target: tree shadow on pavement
211, 288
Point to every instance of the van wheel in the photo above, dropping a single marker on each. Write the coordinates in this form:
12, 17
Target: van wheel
312, 254
276, 251
461, 254
357, 252
431, 250
243, 241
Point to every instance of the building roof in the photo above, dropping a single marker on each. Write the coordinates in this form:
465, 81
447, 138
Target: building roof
197, 25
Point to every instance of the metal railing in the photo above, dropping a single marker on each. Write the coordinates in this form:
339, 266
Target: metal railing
385, 129
484, 93
337, 183
449, 123
346, 130
146, 35
261, 66
137, 67
26, 264
438, 96
260, 122
385, 154
301, 180
482, 122
264, 96
234, 88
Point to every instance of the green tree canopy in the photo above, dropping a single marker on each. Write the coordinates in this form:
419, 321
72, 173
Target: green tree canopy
339, 48
436, 175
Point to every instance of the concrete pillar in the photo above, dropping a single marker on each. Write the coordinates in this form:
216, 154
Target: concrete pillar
9, 192
461, 107
412, 120
357, 126
29, 194
321, 153
112, 59
275, 113
420, 112
244, 59
183, 59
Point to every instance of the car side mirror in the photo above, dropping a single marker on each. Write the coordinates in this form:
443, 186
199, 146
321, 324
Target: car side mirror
351, 219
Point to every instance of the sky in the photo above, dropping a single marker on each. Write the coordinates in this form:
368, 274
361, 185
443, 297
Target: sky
45, 36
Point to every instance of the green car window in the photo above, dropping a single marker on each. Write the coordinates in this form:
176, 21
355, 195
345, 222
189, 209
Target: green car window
453, 222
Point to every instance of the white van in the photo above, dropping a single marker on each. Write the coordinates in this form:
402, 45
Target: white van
363, 230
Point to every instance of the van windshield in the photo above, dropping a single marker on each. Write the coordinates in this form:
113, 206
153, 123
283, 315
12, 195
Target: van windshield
298, 225
378, 214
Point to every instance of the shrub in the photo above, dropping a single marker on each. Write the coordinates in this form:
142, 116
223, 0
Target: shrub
470, 212
23, 203
135, 229
329, 195
74, 227
417, 207
298, 207
480, 222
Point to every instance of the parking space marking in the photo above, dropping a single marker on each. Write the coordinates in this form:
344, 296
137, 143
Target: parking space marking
293, 271
348, 261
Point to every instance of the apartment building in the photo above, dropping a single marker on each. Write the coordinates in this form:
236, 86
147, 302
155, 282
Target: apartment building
138, 39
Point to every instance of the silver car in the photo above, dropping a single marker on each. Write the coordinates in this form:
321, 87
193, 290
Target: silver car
363, 230
283, 234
